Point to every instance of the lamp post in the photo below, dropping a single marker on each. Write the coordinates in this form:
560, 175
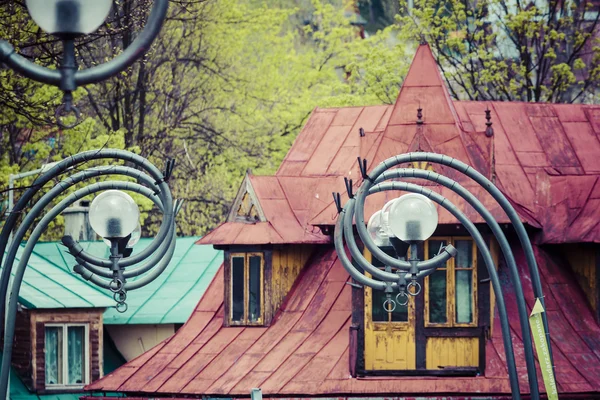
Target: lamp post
410, 219
114, 215
67, 20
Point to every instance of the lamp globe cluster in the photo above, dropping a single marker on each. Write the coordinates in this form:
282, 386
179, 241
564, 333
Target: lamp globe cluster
412, 218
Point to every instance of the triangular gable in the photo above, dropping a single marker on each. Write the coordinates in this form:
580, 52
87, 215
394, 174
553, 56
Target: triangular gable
423, 88
424, 117
246, 207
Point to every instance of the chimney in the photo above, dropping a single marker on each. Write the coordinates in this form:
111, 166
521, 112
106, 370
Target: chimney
77, 221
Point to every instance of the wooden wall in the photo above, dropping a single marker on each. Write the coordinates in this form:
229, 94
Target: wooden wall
22, 357
584, 261
452, 352
38, 319
286, 263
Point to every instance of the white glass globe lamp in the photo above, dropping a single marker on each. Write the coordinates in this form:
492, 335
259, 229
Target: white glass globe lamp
69, 17
376, 231
413, 218
114, 214
133, 240
385, 216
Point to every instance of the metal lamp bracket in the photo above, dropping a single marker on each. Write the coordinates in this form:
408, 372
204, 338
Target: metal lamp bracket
67, 77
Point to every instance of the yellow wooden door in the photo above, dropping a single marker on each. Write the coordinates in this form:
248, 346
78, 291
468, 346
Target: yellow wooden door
389, 336
389, 345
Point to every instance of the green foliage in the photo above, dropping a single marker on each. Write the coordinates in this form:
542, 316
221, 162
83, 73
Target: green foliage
510, 50
226, 87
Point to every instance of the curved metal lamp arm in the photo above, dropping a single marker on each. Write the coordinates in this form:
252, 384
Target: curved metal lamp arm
100, 72
507, 207
481, 245
354, 209
59, 169
155, 188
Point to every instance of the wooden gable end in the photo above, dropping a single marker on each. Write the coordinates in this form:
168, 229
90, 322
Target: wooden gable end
246, 207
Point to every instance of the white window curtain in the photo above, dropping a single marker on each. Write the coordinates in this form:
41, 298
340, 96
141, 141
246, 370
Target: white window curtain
54, 355
76, 357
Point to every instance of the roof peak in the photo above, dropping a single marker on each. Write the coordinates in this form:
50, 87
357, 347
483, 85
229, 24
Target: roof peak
424, 87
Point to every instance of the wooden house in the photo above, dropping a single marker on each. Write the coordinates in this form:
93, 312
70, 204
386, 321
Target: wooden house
284, 316
68, 332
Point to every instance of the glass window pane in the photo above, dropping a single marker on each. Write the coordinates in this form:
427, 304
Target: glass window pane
434, 247
378, 313
254, 289
53, 350
437, 297
76, 354
237, 288
464, 258
400, 314
464, 295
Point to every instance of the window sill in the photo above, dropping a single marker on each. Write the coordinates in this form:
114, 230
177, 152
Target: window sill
64, 388
450, 371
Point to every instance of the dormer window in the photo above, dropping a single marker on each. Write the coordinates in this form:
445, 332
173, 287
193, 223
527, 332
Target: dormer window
246, 289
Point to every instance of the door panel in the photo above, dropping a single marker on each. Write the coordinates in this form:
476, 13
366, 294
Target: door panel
444, 352
389, 345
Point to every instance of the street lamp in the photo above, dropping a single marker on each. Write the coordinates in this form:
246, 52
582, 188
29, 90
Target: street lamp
68, 19
410, 219
114, 215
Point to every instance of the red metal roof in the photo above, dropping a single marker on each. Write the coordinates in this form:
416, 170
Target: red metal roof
537, 155
306, 352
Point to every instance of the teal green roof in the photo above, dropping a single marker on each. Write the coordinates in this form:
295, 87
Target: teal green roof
48, 285
18, 391
171, 298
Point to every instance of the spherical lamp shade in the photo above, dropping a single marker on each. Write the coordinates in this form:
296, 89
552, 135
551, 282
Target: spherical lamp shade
385, 217
376, 230
69, 17
413, 218
135, 237
114, 214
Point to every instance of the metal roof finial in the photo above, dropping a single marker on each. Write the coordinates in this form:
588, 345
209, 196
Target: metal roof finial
489, 131
419, 115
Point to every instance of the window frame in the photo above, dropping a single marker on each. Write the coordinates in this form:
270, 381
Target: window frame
65, 355
451, 287
246, 256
